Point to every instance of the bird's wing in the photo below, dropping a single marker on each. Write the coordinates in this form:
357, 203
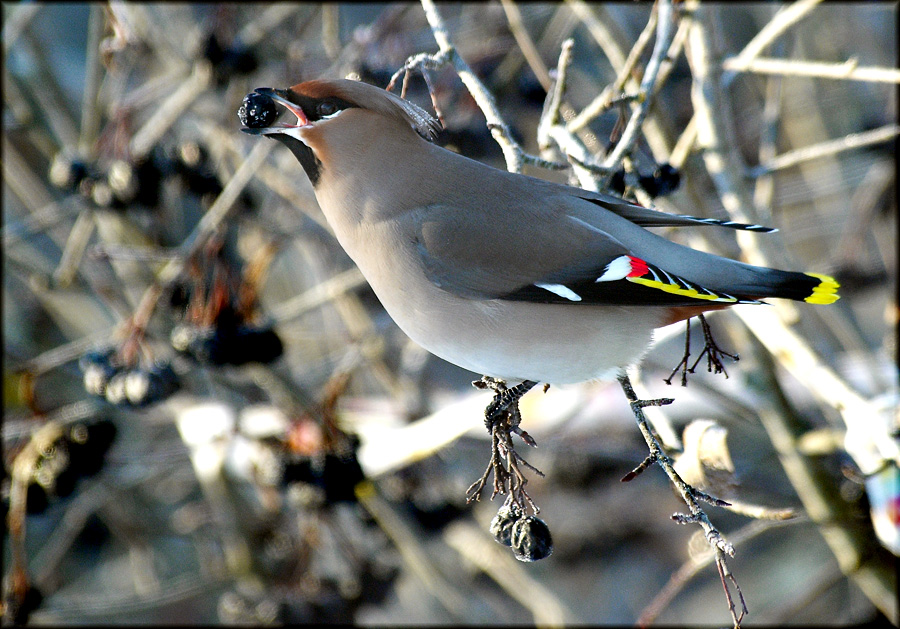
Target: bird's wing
646, 217
543, 257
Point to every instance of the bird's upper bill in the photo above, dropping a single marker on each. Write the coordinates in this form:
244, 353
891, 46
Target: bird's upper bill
280, 97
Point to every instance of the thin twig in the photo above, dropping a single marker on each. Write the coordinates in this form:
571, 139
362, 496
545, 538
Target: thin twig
825, 149
551, 128
526, 43
688, 494
483, 98
641, 109
693, 566
846, 71
604, 100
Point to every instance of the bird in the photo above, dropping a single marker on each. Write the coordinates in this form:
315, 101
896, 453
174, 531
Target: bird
503, 274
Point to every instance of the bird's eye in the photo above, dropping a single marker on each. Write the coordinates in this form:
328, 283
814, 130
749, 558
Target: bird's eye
326, 108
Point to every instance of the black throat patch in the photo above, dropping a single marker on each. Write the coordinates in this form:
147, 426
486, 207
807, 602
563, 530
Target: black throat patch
304, 155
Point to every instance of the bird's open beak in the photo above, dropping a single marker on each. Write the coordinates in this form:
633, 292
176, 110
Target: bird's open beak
280, 97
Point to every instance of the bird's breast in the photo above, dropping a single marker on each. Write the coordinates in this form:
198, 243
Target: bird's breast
505, 339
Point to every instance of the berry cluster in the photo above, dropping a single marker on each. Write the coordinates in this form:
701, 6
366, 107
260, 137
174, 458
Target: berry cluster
77, 454
105, 375
664, 180
527, 535
219, 323
136, 184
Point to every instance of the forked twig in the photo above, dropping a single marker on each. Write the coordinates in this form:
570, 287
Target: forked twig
688, 493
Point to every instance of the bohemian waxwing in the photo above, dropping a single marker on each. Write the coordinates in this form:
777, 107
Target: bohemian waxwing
500, 273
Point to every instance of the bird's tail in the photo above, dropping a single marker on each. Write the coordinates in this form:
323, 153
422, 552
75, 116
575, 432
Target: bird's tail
824, 290
813, 288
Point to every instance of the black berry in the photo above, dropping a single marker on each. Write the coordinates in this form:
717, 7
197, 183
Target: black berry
531, 540
501, 525
257, 111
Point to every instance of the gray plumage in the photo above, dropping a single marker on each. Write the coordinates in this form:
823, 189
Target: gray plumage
501, 273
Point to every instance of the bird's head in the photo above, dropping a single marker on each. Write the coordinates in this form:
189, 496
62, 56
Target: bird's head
327, 111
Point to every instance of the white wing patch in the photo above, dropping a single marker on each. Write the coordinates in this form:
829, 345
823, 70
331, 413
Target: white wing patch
618, 269
562, 291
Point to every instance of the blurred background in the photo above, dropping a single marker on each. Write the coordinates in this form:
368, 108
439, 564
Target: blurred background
190, 404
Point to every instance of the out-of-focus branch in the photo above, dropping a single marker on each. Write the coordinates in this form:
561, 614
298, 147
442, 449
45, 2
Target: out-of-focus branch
791, 351
599, 31
785, 18
715, 133
485, 100
509, 574
526, 44
860, 416
780, 22
722, 164
847, 71
416, 558
170, 110
15, 20
857, 553
823, 149
641, 109
602, 102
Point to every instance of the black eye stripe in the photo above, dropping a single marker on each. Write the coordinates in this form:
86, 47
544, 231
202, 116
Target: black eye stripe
311, 106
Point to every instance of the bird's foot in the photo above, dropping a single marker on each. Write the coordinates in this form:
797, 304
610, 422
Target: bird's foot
711, 350
502, 418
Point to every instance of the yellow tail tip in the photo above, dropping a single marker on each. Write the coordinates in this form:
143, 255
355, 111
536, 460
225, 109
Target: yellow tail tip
825, 292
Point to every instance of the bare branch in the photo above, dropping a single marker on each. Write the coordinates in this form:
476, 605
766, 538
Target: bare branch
605, 99
847, 71
633, 128
786, 17
824, 149
688, 494
526, 43
485, 100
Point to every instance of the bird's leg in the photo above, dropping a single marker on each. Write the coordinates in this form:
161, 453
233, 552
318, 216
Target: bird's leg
503, 398
684, 359
502, 418
713, 352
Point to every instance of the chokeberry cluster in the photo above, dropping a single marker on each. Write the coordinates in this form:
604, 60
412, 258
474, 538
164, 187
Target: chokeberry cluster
219, 324
106, 375
527, 535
